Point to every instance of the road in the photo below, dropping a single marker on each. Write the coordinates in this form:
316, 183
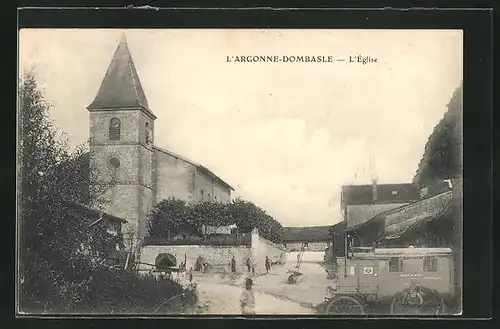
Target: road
219, 294
220, 298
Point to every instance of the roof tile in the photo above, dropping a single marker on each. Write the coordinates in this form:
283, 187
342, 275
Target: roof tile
121, 87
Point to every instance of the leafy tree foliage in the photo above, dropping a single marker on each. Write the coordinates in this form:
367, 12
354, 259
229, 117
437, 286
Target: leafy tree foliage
62, 260
174, 217
442, 158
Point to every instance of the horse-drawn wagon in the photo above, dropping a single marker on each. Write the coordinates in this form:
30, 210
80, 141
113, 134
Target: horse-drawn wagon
405, 280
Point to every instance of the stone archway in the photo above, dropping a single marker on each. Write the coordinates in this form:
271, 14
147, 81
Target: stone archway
165, 260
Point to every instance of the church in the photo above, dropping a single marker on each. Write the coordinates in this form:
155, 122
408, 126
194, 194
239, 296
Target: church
123, 157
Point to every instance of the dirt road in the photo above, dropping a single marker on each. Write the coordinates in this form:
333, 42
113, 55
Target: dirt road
223, 299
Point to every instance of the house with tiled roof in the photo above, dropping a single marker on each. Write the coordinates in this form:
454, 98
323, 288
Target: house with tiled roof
314, 238
124, 158
359, 203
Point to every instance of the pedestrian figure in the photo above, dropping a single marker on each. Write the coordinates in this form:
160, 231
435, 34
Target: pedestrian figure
198, 264
233, 265
249, 265
247, 299
268, 265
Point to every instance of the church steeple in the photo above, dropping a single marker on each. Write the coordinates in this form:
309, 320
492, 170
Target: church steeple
121, 87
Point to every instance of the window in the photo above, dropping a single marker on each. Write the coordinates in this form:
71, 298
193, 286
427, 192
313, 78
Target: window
202, 195
395, 264
395, 193
209, 197
146, 132
430, 264
114, 129
114, 163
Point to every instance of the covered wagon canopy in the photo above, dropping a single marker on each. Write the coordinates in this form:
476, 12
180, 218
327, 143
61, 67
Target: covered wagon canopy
402, 220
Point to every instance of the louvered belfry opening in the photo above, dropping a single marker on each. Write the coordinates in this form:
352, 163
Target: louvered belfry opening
114, 129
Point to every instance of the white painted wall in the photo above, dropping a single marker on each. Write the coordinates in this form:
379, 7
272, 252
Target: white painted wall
218, 256
307, 256
262, 248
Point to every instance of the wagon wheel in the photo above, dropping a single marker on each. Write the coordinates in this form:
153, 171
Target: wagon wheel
433, 304
344, 305
397, 307
293, 277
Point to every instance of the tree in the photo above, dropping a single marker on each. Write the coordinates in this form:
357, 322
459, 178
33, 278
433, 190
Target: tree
51, 181
175, 217
168, 218
61, 258
442, 157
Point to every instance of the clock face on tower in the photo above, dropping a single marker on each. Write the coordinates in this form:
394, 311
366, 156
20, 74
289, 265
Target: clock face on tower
114, 163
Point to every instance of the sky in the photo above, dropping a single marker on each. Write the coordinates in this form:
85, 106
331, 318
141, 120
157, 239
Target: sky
286, 136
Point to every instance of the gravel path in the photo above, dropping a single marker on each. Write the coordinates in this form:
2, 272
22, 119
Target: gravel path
223, 299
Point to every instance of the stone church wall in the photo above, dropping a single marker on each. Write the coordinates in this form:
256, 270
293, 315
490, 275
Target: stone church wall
99, 126
123, 201
212, 190
174, 178
129, 163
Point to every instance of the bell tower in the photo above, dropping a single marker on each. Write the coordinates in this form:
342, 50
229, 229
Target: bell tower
121, 145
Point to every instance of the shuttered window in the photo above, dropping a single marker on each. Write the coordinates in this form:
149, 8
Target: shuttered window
114, 129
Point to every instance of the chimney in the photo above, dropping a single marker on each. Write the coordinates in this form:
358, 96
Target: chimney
374, 189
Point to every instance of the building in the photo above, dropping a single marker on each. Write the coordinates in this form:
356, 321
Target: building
112, 223
314, 238
423, 222
359, 203
137, 173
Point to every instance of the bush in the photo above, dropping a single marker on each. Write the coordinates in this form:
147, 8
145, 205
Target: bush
119, 291
61, 258
174, 217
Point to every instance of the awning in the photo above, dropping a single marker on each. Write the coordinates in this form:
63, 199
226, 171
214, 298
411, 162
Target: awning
371, 221
408, 217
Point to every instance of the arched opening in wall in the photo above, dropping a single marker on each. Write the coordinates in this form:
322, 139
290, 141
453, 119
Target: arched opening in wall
165, 261
114, 129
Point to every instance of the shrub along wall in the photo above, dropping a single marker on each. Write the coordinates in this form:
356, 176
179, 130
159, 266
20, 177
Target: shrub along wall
171, 218
106, 294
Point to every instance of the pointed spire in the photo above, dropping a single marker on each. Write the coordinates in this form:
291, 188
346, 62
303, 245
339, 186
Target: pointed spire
121, 87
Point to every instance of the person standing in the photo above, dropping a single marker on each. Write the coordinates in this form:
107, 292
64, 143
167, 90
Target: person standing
249, 265
247, 299
233, 265
268, 265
